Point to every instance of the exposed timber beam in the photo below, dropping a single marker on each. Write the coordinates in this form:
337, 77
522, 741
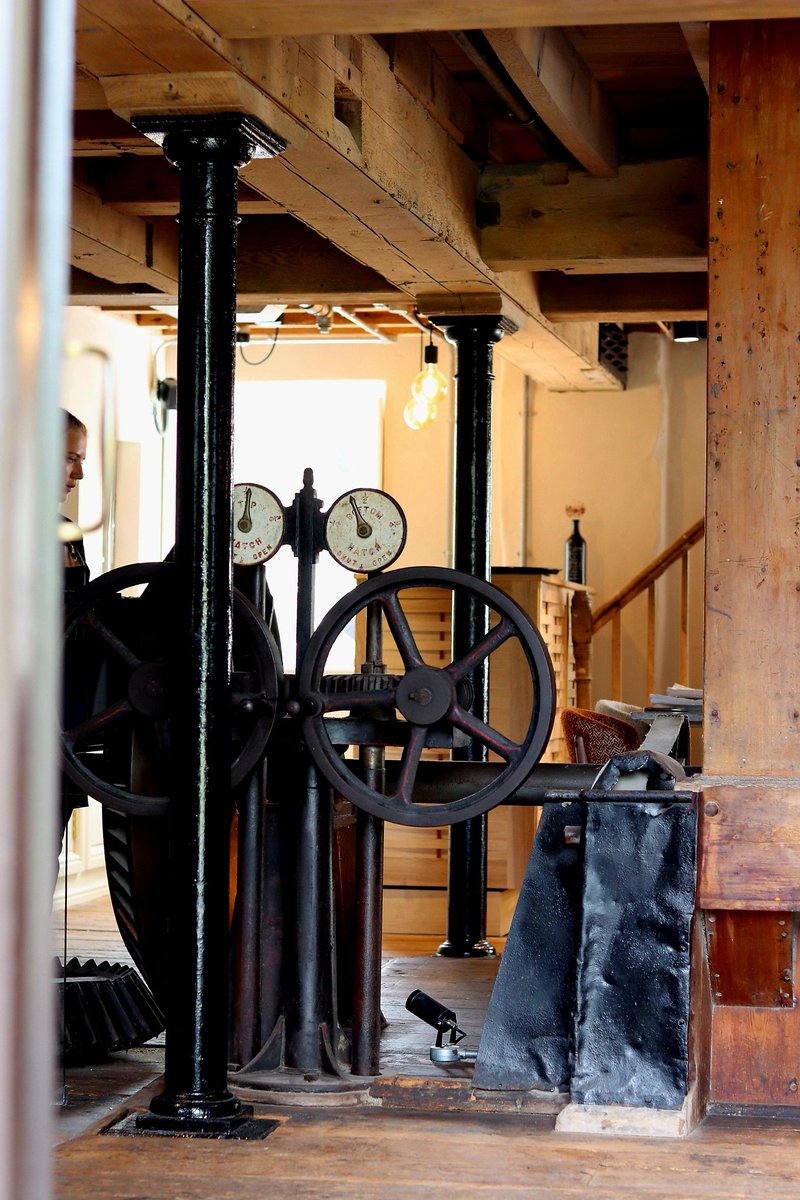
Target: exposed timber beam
697, 37
651, 217
121, 248
376, 175
150, 187
279, 261
88, 290
628, 298
559, 86
258, 18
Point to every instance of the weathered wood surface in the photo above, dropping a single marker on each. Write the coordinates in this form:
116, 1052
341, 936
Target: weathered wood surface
361, 1154
751, 958
368, 166
752, 641
756, 1057
560, 87
627, 298
256, 17
650, 217
750, 848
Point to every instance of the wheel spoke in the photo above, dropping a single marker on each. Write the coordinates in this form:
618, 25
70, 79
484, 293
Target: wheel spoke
380, 698
486, 646
401, 631
98, 723
483, 733
409, 762
113, 641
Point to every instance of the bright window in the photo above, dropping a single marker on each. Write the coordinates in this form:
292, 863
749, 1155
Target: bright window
333, 426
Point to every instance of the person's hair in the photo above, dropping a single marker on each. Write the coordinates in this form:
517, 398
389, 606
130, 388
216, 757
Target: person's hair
72, 422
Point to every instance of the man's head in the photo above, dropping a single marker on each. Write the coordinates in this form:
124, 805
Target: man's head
74, 453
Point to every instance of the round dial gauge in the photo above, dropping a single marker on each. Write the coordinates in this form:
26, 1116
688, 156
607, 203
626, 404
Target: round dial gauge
259, 524
365, 530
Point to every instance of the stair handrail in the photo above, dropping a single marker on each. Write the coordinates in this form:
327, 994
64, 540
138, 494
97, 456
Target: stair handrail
649, 575
645, 581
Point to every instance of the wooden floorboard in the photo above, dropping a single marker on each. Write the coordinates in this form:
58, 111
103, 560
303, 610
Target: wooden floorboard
376, 1150
364, 1154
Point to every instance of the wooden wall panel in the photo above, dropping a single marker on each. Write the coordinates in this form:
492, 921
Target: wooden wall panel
750, 848
752, 656
755, 1057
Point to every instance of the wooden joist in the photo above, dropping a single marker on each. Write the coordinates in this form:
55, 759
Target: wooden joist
121, 248
365, 16
626, 298
651, 217
556, 81
376, 175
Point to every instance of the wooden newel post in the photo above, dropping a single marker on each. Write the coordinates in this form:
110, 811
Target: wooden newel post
582, 647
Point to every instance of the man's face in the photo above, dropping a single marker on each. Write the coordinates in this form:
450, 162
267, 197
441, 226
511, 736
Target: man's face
73, 460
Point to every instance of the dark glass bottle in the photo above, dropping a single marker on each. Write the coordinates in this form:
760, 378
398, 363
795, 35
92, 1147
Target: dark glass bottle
575, 555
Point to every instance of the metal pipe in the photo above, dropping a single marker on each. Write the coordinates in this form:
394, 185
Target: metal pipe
246, 1025
548, 783
369, 887
474, 338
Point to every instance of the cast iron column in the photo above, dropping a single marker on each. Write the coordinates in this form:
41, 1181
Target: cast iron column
474, 339
208, 150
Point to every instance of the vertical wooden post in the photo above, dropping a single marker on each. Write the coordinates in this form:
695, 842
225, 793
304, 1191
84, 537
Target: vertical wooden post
752, 659
616, 656
750, 833
582, 647
651, 638
684, 635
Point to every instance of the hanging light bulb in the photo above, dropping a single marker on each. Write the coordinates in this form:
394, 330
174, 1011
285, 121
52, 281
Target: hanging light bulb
428, 389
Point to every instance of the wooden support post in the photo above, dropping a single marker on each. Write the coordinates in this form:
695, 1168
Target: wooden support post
582, 647
616, 656
651, 638
684, 635
750, 839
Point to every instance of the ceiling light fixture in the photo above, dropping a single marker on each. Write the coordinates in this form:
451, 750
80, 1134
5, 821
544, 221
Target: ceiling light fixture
428, 389
688, 331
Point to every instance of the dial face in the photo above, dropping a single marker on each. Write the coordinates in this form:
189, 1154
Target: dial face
365, 530
259, 524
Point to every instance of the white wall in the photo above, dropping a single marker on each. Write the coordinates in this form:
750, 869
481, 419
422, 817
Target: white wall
635, 459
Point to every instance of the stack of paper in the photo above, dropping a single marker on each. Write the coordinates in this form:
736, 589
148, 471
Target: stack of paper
678, 696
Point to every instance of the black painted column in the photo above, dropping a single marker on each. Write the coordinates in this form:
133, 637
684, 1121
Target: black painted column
474, 339
208, 150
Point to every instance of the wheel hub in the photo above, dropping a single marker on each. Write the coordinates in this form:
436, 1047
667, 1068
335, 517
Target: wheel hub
148, 690
425, 695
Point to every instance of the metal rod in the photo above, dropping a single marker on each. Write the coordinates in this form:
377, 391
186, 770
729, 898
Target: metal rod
369, 887
246, 1025
310, 995
474, 338
369, 903
548, 783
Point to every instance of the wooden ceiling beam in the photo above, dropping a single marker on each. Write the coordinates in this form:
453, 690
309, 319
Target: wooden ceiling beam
279, 261
284, 261
561, 89
377, 176
122, 249
696, 34
624, 298
150, 187
651, 217
257, 18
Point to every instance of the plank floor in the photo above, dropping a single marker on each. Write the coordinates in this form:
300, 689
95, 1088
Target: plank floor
377, 1149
